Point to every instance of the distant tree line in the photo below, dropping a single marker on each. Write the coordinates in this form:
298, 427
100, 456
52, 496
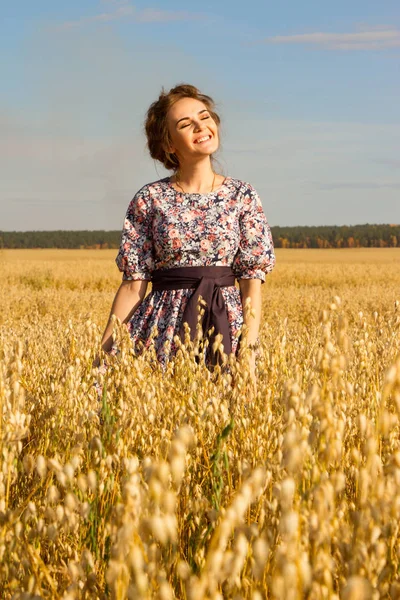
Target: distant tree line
343, 236
60, 239
338, 236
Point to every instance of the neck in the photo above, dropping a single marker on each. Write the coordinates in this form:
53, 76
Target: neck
196, 177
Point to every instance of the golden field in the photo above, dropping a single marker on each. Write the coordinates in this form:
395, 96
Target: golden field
175, 485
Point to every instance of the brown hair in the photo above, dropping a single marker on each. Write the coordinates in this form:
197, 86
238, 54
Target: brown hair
158, 138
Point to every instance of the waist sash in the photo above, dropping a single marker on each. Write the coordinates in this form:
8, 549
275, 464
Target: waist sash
207, 282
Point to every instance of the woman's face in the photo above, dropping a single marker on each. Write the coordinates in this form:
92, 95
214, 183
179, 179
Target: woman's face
192, 130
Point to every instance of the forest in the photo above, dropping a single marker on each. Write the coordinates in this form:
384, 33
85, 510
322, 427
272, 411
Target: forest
337, 236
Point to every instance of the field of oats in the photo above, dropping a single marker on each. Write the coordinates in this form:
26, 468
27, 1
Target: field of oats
175, 485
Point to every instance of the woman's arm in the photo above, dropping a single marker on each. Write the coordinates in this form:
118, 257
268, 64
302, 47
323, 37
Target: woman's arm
128, 297
251, 288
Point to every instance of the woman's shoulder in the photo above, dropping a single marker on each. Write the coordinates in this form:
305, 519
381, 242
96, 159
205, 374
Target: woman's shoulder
153, 187
143, 199
240, 185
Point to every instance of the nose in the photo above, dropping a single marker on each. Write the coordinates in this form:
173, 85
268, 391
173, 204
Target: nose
198, 125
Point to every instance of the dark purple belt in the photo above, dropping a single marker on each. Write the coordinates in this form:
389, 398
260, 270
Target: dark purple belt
207, 281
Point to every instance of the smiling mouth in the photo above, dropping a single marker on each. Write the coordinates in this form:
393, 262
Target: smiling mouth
203, 139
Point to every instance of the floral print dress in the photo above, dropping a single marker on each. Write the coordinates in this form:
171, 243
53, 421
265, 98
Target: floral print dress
165, 228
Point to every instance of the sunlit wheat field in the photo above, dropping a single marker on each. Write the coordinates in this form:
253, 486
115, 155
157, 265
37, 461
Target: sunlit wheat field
179, 484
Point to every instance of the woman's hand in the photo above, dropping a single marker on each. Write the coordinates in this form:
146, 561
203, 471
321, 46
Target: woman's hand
96, 362
127, 299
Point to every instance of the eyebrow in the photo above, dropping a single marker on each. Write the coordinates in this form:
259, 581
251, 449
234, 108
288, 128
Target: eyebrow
199, 113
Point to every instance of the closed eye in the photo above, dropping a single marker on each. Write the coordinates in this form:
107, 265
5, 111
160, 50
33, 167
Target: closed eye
187, 124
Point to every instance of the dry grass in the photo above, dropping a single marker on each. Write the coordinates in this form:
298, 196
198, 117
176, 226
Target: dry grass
176, 486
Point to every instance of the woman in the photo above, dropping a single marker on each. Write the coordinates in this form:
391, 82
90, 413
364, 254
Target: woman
190, 234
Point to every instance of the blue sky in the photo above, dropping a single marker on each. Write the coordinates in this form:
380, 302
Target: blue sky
309, 94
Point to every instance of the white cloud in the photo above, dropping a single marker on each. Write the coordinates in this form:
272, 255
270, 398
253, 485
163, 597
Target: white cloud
124, 10
152, 15
114, 2
376, 38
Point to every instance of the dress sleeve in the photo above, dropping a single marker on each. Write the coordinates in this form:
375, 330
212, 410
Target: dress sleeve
135, 257
255, 256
